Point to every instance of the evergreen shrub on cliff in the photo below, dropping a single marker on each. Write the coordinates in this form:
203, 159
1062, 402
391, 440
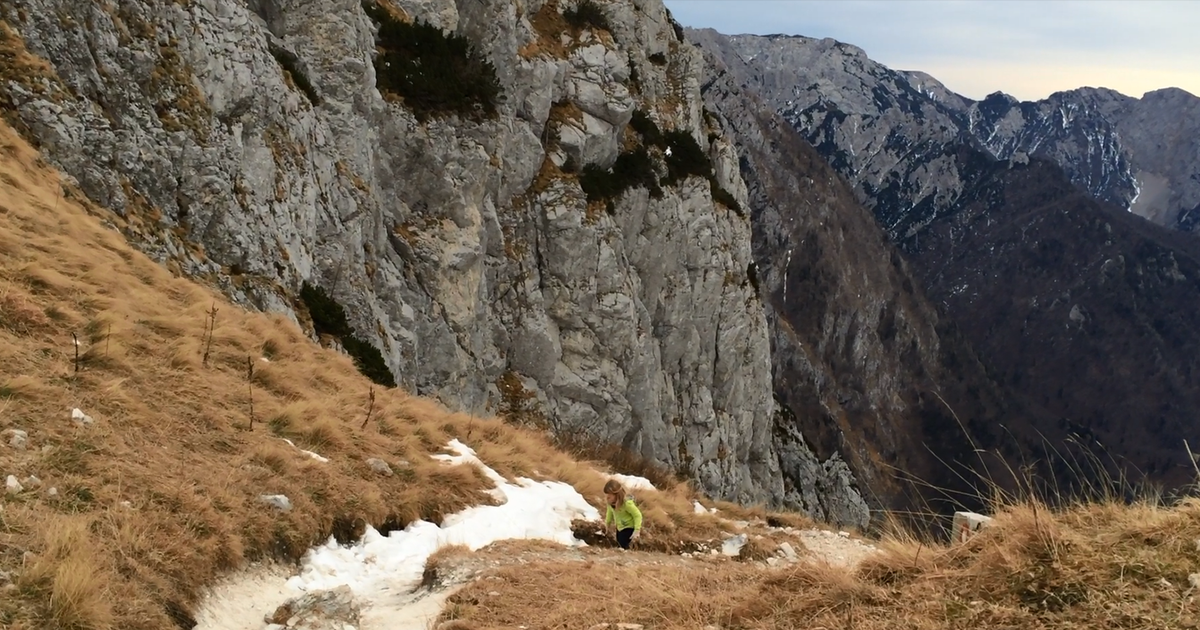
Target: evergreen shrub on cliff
433, 71
632, 169
329, 318
587, 14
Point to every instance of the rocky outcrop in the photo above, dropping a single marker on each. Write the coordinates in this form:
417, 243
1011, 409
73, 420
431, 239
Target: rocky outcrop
250, 144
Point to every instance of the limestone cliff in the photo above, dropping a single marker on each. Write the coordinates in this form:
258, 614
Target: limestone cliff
265, 144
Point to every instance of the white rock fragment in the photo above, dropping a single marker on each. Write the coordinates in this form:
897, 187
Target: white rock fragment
965, 525
12, 486
788, 551
1194, 580
81, 418
52, 492
17, 439
277, 501
380, 466
316, 456
32, 482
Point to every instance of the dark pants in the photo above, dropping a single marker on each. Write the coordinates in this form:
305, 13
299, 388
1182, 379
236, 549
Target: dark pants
624, 536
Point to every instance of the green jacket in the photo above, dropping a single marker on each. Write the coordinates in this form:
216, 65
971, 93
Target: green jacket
626, 516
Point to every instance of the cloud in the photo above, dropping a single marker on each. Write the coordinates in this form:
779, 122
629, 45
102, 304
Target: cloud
1033, 47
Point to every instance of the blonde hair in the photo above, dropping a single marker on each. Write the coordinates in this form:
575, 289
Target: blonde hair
614, 488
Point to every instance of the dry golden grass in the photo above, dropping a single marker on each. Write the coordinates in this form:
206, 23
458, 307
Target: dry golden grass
1099, 565
161, 494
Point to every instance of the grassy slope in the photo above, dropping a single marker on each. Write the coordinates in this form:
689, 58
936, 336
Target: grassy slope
160, 494
1092, 566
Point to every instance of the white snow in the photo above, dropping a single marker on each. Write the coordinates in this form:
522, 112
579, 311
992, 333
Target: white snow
1137, 192
323, 460
382, 571
700, 509
632, 482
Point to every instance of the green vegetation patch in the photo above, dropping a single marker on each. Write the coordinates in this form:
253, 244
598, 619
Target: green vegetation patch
434, 72
587, 14
329, 318
633, 169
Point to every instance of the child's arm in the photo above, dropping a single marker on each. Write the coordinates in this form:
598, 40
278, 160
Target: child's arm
636, 514
609, 515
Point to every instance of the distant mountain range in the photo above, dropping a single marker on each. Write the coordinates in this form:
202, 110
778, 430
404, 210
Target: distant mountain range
886, 130
1023, 224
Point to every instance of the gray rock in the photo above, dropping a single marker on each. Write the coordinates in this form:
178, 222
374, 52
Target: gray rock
322, 610
733, 545
277, 501
80, 418
5, 578
788, 551
12, 486
966, 524
380, 466
17, 439
32, 482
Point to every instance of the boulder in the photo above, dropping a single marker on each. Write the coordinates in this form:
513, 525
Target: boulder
277, 501
380, 466
322, 610
80, 418
17, 438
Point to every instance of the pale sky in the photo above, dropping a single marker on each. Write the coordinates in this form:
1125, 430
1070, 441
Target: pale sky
1026, 48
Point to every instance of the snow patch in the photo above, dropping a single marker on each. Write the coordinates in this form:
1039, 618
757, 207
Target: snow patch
382, 571
632, 482
311, 454
1137, 192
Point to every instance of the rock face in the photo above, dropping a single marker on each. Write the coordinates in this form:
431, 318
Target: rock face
249, 144
1080, 311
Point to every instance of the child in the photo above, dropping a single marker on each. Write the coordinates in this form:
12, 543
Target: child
622, 512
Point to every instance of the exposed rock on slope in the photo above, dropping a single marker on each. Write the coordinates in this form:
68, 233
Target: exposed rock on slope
250, 144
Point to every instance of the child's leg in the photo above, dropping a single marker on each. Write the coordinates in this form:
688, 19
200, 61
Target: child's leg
624, 536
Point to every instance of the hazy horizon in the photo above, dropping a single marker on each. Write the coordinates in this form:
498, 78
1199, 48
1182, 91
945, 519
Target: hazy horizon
1029, 49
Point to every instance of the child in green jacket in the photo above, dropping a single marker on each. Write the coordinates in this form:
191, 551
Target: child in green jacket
622, 512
